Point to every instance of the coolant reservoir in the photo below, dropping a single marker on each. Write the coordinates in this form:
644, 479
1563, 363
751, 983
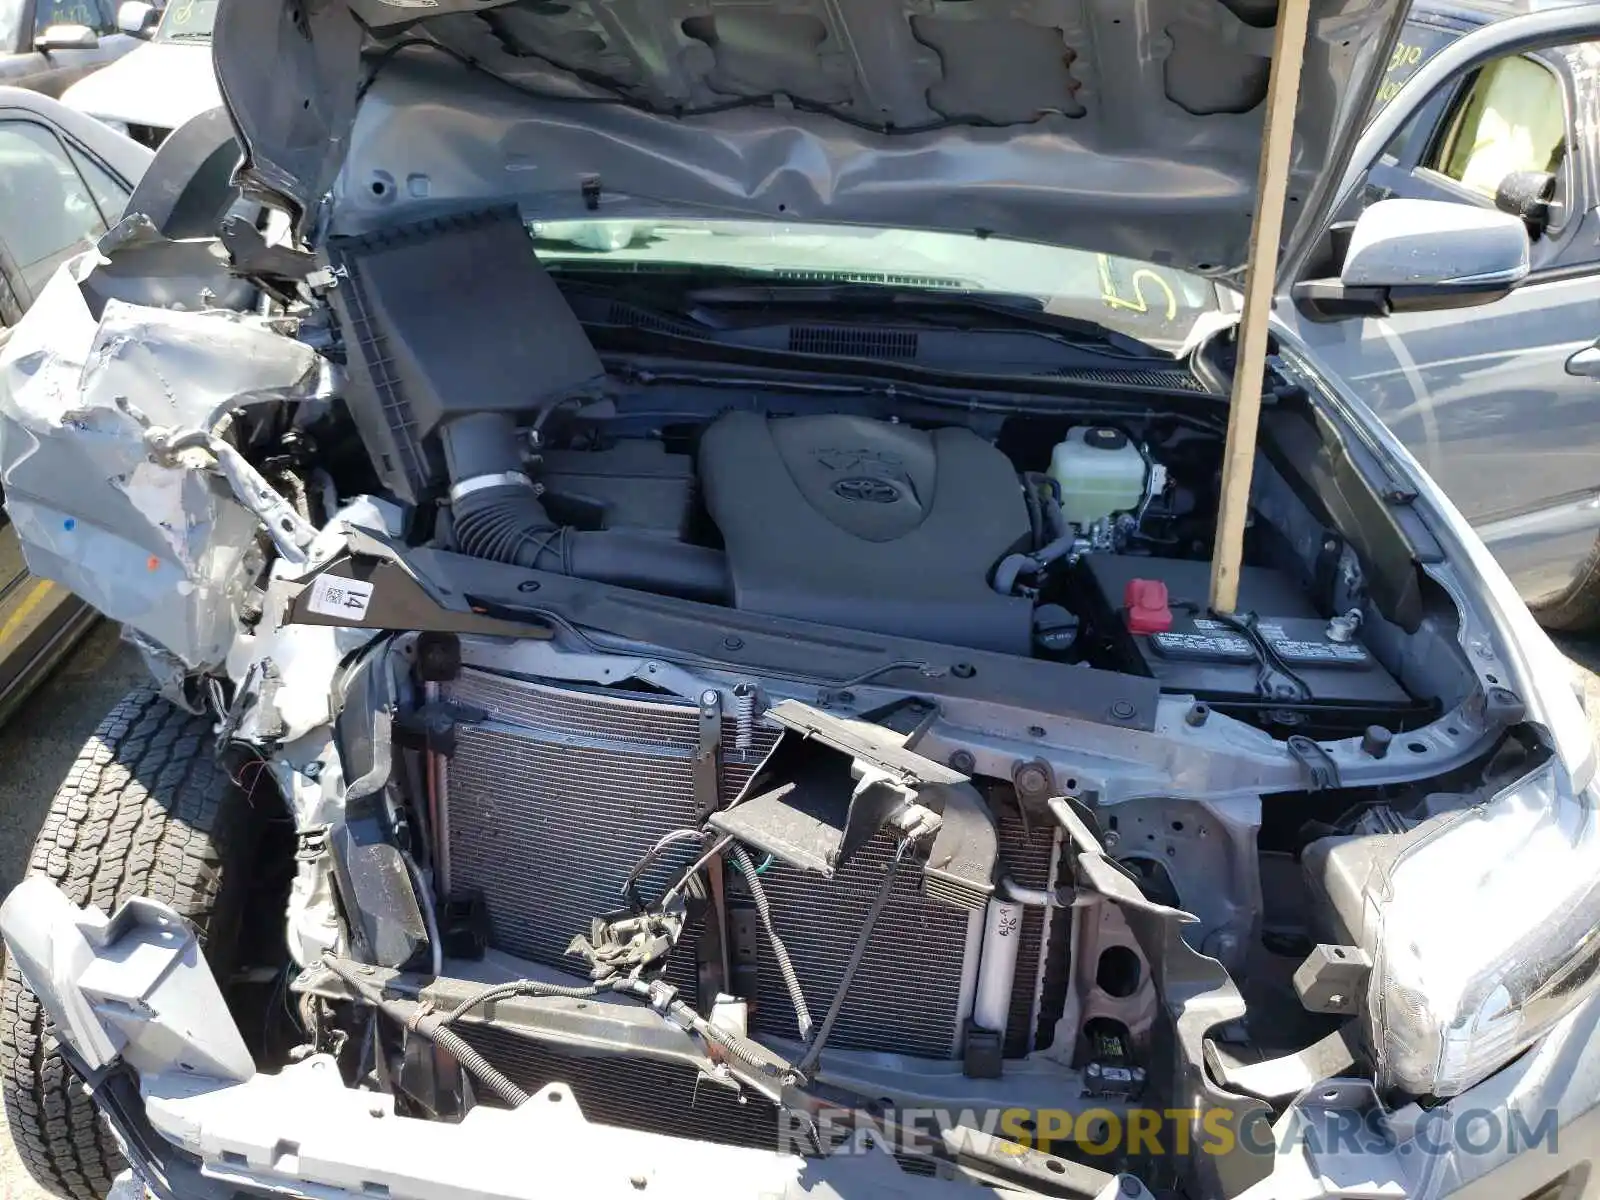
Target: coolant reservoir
1099, 472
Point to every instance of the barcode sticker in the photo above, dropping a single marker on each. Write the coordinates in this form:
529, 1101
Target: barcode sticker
332, 596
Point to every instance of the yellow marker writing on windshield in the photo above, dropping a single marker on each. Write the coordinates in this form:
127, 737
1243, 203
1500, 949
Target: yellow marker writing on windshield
1139, 304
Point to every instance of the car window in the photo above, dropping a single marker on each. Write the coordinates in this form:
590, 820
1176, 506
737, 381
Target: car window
107, 190
47, 211
71, 12
1418, 43
10, 24
1510, 117
187, 21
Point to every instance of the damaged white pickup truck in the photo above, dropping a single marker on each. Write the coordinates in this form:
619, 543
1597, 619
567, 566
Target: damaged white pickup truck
673, 539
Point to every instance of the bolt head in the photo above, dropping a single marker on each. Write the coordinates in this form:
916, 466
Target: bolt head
708, 698
1031, 778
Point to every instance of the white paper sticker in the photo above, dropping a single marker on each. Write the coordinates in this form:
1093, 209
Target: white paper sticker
335, 597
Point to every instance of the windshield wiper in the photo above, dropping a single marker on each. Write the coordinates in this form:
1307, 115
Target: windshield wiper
188, 35
965, 310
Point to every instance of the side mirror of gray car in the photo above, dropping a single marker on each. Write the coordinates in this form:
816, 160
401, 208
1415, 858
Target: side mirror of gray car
1586, 362
137, 18
1419, 256
66, 37
1527, 196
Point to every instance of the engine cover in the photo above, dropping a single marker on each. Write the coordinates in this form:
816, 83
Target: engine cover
853, 522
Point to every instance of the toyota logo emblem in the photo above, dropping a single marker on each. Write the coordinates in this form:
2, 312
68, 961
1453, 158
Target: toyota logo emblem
867, 490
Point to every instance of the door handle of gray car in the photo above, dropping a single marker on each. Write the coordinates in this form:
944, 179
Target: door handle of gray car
1585, 362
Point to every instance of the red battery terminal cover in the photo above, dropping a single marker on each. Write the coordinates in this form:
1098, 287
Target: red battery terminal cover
1146, 602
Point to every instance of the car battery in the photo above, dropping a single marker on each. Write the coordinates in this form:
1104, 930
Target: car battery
1152, 615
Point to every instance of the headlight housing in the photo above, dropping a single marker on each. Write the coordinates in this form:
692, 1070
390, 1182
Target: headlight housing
1487, 933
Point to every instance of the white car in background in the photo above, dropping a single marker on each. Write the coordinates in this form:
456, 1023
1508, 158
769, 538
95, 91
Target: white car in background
149, 93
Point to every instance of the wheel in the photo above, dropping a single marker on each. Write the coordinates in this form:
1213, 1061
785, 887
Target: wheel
1577, 610
146, 810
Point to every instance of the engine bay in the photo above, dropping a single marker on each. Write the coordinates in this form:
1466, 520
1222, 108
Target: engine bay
1055, 537
730, 739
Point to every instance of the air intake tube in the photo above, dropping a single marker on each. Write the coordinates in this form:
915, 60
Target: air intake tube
498, 516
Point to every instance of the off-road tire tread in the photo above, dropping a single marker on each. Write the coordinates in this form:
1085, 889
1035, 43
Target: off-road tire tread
1577, 610
146, 810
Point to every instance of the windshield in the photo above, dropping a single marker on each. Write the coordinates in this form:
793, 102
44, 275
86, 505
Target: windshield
187, 21
1155, 304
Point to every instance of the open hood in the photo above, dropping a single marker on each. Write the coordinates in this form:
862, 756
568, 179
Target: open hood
1128, 126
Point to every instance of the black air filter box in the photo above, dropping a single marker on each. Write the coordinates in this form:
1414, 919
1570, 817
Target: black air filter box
1192, 653
446, 317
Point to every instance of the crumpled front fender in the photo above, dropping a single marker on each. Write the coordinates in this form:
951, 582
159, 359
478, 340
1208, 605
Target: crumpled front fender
149, 540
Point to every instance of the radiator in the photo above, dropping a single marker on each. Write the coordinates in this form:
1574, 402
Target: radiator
1031, 856
910, 992
637, 1093
559, 795
555, 798
631, 1091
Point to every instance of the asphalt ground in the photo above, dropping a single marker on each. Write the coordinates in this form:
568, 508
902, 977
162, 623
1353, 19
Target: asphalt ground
39, 743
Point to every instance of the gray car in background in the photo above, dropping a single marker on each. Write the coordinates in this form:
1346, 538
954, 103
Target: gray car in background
1485, 399
47, 45
64, 180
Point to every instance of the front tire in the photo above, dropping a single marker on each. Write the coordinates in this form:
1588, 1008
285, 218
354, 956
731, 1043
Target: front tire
1577, 610
147, 810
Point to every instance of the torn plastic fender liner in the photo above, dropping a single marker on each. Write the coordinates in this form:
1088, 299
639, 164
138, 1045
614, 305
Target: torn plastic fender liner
133, 986
153, 543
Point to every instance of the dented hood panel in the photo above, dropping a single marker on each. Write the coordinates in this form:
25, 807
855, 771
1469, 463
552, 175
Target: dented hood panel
1131, 126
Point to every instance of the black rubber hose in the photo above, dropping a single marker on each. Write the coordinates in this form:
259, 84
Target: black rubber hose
808, 1061
780, 952
410, 1015
471, 1061
520, 987
1030, 497
497, 516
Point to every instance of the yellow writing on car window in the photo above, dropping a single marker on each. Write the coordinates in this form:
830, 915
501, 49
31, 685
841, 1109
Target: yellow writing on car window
185, 11
1138, 281
1404, 58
